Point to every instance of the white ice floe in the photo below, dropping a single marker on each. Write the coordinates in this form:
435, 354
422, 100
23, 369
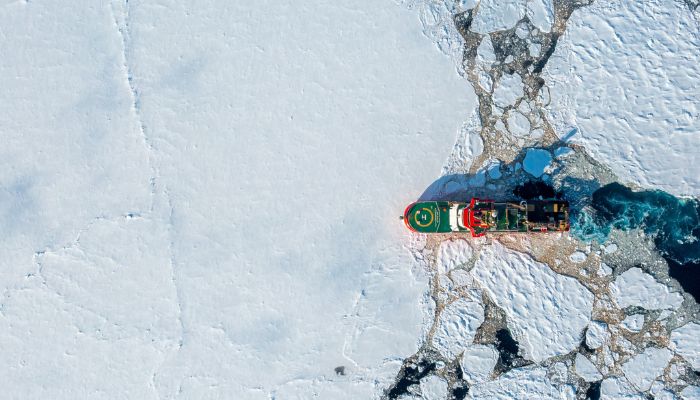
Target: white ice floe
433, 387
453, 253
485, 55
518, 124
536, 161
634, 287
546, 311
520, 383
478, 362
604, 270
616, 388
633, 323
578, 257
645, 367
585, 369
457, 325
691, 393
686, 342
597, 334
541, 14
497, 15
625, 74
508, 90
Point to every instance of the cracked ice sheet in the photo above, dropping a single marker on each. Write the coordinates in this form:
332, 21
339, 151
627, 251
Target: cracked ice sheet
625, 74
71, 143
288, 150
546, 312
73, 154
520, 383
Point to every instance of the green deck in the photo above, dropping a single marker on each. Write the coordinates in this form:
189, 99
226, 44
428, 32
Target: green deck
483, 216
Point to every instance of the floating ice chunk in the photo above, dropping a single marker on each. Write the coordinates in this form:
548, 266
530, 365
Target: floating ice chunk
478, 362
691, 393
685, 341
611, 248
597, 334
508, 90
534, 49
494, 169
485, 55
585, 369
522, 30
559, 373
660, 392
643, 368
485, 80
636, 288
536, 161
497, 15
453, 253
578, 257
633, 323
457, 325
617, 388
433, 387
518, 124
541, 14
520, 383
464, 5
604, 270
546, 311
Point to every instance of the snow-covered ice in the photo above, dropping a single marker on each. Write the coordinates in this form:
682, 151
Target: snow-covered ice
685, 342
633, 323
433, 388
457, 326
585, 369
547, 312
496, 15
616, 388
508, 90
520, 383
478, 362
597, 334
625, 75
452, 254
634, 287
643, 368
185, 208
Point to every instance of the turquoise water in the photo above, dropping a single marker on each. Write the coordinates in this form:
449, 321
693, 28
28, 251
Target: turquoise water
674, 223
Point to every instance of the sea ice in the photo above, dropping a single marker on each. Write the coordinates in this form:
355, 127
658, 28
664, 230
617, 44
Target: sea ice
536, 161
643, 368
614, 58
615, 388
585, 369
497, 15
685, 342
478, 362
546, 311
596, 334
508, 90
433, 388
520, 383
453, 253
633, 323
457, 325
637, 288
